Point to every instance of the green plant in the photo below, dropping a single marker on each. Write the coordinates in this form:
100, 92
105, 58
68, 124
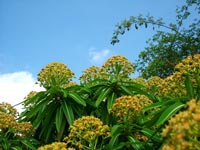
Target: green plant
88, 133
109, 82
176, 90
14, 134
182, 132
129, 131
57, 106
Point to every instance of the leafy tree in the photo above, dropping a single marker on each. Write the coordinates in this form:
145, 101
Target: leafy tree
166, 49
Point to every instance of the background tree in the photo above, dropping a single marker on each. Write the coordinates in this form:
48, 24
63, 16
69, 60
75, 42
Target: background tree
166, 48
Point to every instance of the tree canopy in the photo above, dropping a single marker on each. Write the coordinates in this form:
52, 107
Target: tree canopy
167, 47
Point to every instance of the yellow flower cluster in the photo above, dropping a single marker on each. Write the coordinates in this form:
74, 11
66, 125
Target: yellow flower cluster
139, 80
118, 65
174, 85
30, 95
183, 130
55, 146
55, 73
8, 109
69, 85
129, 106
140, 137
90, 74
189, 65
154, 84
85, 132
24, 128
8, 121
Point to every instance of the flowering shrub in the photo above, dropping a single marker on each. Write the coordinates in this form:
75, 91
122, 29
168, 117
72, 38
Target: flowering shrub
132, 112
87, 133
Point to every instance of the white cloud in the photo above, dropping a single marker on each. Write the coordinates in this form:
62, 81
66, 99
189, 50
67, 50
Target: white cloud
98, 57
15, 86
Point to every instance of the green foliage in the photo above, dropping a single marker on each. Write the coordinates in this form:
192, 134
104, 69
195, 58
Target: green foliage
108, 110
13, 133
55, 108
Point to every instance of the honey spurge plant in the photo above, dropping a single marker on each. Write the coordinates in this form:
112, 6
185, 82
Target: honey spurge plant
109, 109
57, 106
107, 83
88, 133
13, 133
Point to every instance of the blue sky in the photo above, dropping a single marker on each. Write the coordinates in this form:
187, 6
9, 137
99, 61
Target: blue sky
34, 33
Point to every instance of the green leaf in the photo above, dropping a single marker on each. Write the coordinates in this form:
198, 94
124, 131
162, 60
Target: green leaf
146, 25
49, 115
77, 98
136, 27
126, 90
28, 144
136, 144
65, 92
67, 109
114, 140
159, 104
38, 118
189, 87
170, 111
49, 131
59, 118
118, 146
154, 105
85, 89
111, 101
116, 129
39, 107
16, 148
151, 134
102, 96
39, 96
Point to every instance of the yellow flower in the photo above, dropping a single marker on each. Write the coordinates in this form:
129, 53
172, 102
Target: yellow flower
55, 146
90, 74
55, 73
85, 132
118, 65
8, 121
7, 108
129, 106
